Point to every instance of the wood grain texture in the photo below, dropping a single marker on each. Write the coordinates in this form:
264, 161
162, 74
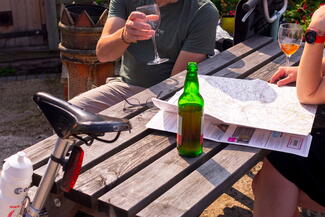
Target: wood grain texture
142, 188
251, 63
26, 17
51, 24
217, 174
20, 23
5, 5
232, 55
266, 72
194, 193
165, 88
116, 169
117, 196
148, 175
34, 21
99, 151
66, 18
206, 183
168, 86
171, 85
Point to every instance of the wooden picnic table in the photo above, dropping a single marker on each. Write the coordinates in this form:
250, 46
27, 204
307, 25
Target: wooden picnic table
141, 174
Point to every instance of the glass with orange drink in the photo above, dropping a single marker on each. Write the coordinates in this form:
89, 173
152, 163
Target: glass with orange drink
289, 38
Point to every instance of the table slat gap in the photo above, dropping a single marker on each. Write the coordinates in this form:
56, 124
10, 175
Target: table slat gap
178, 207
95, 153
211, 178
154, 180
40, 152
96, 182
252, 62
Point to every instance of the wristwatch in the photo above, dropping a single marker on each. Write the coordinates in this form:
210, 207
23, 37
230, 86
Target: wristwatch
313, 36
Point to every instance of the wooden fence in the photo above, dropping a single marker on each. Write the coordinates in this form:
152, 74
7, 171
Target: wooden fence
30, 23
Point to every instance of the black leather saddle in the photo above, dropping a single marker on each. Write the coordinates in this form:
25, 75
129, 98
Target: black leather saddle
68, 120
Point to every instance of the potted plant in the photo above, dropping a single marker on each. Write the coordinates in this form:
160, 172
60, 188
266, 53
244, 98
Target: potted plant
300, 11
227, 9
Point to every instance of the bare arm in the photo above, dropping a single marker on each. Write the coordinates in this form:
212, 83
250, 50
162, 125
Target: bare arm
118, 34
323, 68
310, 79
183, 58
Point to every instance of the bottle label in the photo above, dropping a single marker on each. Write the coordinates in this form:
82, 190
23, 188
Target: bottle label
21, 190
179, 130
14, 209
202, 125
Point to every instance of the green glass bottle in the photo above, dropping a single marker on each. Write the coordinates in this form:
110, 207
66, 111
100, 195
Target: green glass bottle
190, 115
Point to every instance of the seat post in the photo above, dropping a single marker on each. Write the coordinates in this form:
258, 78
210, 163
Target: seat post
48, 178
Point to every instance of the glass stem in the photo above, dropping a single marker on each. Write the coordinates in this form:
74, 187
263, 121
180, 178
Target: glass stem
287, 61
155, 46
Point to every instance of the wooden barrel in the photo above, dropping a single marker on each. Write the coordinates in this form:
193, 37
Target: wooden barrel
81, 27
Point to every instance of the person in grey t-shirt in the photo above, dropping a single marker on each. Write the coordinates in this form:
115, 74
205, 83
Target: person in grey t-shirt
186, 33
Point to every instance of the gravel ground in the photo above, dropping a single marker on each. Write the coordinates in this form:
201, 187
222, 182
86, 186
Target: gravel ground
22, 125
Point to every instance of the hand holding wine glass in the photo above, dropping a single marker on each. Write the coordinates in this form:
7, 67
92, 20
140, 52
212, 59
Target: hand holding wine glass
289, 37
154, 21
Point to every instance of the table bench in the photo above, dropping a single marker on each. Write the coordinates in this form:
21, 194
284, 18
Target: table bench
141, 174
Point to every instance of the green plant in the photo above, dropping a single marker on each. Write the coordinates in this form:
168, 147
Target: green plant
226, 7
301, 11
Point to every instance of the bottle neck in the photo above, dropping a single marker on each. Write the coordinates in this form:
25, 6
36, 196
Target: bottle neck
191, 82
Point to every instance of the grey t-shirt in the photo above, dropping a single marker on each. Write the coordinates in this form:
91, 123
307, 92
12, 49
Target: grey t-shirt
188, 25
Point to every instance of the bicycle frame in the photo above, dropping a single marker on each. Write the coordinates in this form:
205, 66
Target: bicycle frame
35, 208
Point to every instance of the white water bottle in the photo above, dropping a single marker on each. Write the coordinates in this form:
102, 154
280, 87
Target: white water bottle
16, 176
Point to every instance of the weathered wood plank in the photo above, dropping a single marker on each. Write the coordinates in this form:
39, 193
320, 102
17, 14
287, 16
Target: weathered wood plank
208, 66
266, 72
251, 63
33, 15
5, 5
111, 172
168, 87
36, 152
51, 24
194, 193
142, 188
99, 151
205, 184
19, 23
248, 64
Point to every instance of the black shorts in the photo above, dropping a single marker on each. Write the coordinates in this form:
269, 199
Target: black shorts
308, 174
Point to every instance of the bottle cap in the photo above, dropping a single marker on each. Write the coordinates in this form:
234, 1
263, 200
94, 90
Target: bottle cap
18, 167
192, 66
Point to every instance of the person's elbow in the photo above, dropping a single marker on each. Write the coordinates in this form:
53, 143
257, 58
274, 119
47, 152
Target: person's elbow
101, 53
305, 98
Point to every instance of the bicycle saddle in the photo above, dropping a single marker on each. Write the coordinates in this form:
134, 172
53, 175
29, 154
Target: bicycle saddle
67, 119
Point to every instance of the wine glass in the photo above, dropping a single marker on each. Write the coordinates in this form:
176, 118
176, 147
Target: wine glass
289, 38
153, 9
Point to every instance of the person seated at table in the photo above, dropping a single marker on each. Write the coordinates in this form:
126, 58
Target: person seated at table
186, 33
287, 181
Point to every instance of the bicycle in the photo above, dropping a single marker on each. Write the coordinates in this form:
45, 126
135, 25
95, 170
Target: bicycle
70, 123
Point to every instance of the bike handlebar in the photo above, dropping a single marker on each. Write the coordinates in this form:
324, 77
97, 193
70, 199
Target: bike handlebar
249, 5
275, 16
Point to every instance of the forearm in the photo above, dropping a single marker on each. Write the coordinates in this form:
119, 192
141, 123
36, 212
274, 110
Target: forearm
111, 46
310, 74
323, 68
183, 58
